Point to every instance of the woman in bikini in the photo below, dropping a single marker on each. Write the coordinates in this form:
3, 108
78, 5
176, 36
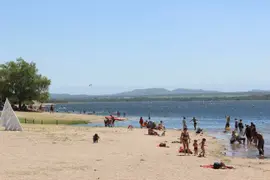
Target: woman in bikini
186, 140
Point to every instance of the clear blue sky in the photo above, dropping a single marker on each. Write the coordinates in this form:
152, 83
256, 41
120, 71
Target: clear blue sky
118, 45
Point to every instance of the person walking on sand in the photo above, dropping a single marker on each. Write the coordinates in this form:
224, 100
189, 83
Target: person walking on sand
194, 123
184, 123
185, 138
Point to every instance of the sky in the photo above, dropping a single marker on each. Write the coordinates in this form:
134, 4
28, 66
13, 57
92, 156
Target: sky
122, 45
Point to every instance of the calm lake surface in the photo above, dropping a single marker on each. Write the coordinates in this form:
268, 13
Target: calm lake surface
211, 116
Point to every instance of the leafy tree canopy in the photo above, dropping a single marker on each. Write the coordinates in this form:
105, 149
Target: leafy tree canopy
20, 81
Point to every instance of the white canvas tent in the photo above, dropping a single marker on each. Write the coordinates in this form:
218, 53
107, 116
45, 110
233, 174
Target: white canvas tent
9, 120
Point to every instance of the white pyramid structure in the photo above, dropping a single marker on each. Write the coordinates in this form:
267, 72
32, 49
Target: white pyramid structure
9, 120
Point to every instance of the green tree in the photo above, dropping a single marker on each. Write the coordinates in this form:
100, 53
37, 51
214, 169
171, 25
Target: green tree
20, 81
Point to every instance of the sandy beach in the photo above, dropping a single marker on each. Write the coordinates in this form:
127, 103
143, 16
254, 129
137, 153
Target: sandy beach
43, 152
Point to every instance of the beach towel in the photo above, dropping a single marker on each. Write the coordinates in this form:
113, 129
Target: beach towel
212, 167
181, 150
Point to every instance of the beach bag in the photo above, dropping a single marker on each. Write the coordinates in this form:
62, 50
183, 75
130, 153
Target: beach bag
162, 145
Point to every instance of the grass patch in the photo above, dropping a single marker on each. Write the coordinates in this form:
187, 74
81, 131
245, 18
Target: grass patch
51, 121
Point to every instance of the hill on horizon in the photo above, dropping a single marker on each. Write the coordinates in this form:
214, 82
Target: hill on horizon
135, 93
163, 91
155, 92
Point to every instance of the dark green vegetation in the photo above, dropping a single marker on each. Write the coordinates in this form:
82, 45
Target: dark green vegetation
185, 97
51, 121
20, 82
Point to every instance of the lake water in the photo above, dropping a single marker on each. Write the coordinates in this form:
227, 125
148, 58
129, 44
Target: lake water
211, 116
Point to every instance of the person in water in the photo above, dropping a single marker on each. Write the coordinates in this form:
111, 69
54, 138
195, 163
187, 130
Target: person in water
260, 145
228, 119
241, 126
236, 137
184, 123
185, 140
248, 134
253, 132
194, 123
236, 124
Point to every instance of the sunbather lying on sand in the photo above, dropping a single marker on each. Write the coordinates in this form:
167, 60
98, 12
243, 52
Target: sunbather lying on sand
154, 133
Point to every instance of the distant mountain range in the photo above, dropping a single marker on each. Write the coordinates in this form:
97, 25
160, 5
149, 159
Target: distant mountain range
153, 92
163, 91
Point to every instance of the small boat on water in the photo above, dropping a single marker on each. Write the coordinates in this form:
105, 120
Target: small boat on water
116, 118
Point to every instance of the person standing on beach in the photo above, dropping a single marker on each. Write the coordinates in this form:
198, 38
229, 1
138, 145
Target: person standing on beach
51, 109
185, 140
202, 154
184, 123
194, 123
141, 122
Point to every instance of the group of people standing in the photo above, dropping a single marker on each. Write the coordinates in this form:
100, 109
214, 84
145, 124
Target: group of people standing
250, 131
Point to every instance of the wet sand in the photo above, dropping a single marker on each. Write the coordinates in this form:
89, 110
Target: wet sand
67, 152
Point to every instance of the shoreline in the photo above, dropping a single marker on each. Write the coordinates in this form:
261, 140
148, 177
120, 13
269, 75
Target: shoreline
136, 156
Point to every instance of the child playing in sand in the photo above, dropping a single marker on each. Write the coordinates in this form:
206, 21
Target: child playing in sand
202, 154
195, 145
95, 138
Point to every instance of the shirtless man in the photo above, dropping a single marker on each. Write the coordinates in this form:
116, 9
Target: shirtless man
194, 123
